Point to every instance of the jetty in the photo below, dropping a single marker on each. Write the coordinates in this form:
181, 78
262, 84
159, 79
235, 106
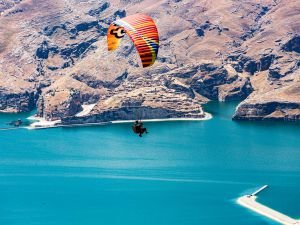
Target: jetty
259, 190
249, 201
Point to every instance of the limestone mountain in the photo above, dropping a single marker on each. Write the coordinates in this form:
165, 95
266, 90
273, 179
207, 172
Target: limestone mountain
53, 54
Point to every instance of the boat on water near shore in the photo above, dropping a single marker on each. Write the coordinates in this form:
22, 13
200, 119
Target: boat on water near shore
16, 123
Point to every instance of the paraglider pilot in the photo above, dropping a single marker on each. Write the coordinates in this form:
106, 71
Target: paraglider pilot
138, 128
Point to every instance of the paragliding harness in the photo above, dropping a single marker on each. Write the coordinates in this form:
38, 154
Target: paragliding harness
138, 128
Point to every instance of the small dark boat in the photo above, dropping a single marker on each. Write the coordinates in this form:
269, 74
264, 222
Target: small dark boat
16, 123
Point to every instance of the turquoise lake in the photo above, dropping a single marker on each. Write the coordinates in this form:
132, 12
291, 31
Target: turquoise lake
181, 173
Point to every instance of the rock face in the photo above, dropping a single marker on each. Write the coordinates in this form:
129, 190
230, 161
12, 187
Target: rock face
17, 102
280, 104
128, 113
223, 84
8, 4
268, 111
292, 45
65, 98
154, 96
53, 54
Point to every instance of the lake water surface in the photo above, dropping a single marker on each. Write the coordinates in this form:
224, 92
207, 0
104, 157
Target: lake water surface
181, 173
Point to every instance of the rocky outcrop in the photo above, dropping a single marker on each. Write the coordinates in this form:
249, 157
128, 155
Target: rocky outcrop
292, 45
69, 104
17, 102
154, 96
223, 84
280, 104
240, 89
128, 113
8, 4
65, 98
268, 111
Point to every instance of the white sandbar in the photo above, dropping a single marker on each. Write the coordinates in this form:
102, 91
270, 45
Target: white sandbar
249, 201
42, 123
206, 117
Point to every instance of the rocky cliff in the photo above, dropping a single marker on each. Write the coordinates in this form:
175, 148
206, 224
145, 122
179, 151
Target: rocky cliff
282, 103
53, 54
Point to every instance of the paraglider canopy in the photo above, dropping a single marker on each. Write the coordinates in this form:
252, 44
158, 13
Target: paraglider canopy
142, 31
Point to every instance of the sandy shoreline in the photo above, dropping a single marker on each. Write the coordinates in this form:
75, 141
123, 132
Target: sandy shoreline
249, 201
207, 117
41, 123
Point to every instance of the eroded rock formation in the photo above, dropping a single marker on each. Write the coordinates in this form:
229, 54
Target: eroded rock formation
55, 51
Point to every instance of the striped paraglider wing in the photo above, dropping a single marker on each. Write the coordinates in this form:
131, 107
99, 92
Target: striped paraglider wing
142, 31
